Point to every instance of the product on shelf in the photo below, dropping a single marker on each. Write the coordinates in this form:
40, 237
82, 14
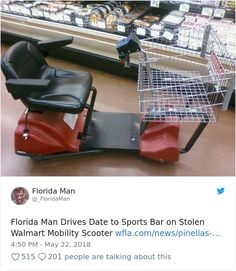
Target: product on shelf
53, 14
97, 16
172, 21
110, 6
196, 37
82, 17
151, 18
128, 7
192, 30
20, 8
105, 16
26, 9
229, 4
69, 16
143, 25
166, 29
203, 20
184, 33
156, 30
12, 8
226, 30
91, 6
117, 17
178, 13
5, 6
111, 20
124, 24
191, 35
46, 12
57, 11
191, 17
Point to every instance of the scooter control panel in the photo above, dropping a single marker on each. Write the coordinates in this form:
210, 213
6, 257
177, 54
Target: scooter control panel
128, 45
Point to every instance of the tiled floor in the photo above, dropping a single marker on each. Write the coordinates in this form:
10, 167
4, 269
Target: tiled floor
213, 154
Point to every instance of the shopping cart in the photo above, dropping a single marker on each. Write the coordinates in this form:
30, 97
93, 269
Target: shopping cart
178, 85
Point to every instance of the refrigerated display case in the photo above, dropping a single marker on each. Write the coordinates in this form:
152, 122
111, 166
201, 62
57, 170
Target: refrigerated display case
97, 26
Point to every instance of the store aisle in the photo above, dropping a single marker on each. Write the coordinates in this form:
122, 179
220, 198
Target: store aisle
213, 154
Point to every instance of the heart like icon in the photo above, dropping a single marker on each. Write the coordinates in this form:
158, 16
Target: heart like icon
15, 256
42, 256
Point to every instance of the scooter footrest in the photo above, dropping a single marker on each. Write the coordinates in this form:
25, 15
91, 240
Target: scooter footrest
159, 142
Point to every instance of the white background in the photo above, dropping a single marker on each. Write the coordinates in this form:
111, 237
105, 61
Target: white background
131, 198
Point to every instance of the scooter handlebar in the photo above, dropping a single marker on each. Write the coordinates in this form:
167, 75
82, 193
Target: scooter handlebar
127, 46
46, 46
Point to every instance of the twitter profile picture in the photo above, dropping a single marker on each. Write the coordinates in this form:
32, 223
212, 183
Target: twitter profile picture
19, 195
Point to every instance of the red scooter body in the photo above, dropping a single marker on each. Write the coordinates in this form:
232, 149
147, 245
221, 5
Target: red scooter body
49, 133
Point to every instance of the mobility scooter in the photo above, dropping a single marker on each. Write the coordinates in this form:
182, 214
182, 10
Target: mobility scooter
60, 119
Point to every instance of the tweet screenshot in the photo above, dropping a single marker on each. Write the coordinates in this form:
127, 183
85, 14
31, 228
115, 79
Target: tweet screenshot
118, 224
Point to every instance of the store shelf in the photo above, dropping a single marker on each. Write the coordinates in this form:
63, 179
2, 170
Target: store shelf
87, 40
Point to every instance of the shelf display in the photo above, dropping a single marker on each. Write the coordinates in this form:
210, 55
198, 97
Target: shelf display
186, 29
192, 31
106, 15
226, 32
172, 21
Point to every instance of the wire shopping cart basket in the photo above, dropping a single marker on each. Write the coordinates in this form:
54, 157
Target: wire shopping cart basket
179, 85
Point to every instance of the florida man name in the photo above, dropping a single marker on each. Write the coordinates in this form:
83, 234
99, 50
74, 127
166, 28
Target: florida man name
51, 191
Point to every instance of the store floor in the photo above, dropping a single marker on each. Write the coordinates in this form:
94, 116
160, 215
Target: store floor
213, 154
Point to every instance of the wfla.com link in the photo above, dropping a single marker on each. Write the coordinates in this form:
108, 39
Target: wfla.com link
165, 233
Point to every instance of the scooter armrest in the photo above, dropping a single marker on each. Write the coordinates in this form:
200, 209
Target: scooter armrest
22, 87
47, 46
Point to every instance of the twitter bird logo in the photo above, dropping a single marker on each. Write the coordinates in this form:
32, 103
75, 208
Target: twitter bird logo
220, 190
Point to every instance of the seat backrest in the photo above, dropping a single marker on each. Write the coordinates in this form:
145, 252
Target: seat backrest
22, 60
